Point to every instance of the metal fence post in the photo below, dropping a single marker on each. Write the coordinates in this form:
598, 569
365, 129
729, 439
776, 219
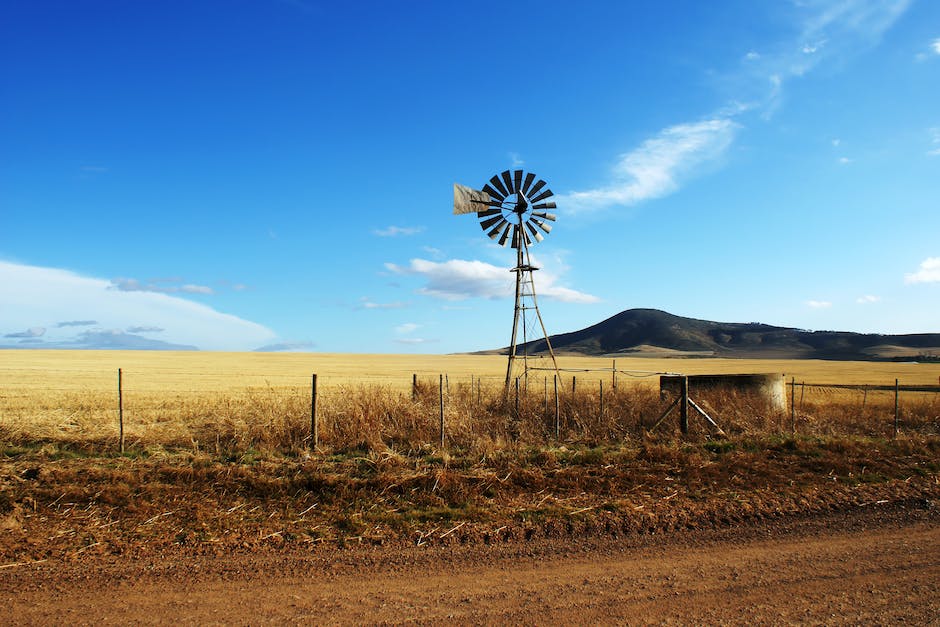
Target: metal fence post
120, 412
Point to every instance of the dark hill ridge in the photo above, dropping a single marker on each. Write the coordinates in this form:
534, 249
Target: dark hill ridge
650, 331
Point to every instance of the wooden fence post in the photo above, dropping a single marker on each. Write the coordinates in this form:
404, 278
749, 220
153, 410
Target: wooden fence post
793, 405
602, 399
414, 386
574, 385
557, 424
314, 426
517, 398
120, 412
441, 394
684, 406
897, 394
613, 375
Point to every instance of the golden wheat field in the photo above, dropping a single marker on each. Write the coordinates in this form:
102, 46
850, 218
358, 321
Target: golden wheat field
34, 371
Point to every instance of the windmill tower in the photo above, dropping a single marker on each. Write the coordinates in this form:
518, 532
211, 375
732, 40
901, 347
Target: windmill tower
512, 208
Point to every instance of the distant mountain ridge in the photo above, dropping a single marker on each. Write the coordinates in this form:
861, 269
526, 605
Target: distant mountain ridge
651, 332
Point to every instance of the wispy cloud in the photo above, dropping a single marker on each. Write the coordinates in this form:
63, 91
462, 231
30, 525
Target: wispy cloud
366, 303
935, 46
818, 304
396, 231
28, 333
826, 31
934, 135
145, 329
76, 323
160, 286
658, 166
928, 272
515, 160
406, 328
459, 279
867, 299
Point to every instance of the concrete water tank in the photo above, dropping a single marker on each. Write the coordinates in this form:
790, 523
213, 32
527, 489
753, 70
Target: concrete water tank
771, 388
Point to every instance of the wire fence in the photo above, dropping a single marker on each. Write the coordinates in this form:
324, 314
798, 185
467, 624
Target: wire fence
179, 408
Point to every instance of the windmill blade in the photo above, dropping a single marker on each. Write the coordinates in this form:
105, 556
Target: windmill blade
525, 236
543, 195
545, 205
545, 227
515, 236
528, 181
502, 238
493, 193
535, 188
507, 179
494, 232
467, 200
499, 186
545, 216
490, 212
538, 236
517, 180
487, 223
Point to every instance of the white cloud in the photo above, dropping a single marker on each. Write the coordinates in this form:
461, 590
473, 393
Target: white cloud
28, 333
395, 231
827, 31
929, 272
414, 340
77, 323
867, 299
157, 286
935, 45
459, 279
406, 328
32, 296
145, 329
844, 161
812, 48
365, 303
934, 134
661, 164
658, 166
515, 160
818, 304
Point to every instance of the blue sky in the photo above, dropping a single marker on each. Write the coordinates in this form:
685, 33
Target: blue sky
278, 174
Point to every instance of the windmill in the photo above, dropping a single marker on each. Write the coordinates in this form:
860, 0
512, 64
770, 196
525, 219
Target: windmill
513, 208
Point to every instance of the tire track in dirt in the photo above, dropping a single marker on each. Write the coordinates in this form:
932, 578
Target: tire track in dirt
867, 567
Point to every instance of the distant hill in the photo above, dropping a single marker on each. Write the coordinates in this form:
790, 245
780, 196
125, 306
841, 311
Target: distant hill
654, 333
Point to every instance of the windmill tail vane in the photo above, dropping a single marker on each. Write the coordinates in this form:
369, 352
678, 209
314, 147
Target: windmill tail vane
513, 208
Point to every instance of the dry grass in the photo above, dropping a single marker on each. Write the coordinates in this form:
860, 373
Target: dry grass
218, 453
231, 404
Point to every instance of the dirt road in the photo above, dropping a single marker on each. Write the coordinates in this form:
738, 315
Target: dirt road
864, 567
